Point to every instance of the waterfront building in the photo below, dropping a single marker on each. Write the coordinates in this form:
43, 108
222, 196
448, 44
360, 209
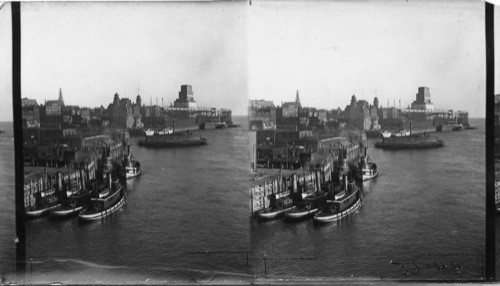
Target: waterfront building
185, 99
28, 102
119, 113
357, 114
30, 113
423, 99
261, 115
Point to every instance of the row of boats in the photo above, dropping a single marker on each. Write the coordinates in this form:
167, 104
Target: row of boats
92, 202
329, 204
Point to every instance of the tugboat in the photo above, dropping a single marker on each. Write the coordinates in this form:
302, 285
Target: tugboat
344, 203
302, 210
307, 206
366, 168
103, 205
131, 167
73, 204
45, 202
280, 204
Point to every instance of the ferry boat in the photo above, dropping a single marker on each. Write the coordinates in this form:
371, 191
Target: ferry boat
45, 202
73, 204
103, 206
366, 168
410, 142
131, 167
344, 203
280, 204
176, 139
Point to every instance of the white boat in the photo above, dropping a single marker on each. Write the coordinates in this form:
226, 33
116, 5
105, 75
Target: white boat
367, 170
131, 167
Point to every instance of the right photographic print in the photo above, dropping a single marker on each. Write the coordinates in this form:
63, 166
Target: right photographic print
368, 137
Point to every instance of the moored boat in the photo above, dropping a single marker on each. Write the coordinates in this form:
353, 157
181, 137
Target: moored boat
130, 167
101, 207
366, 168
301, 211
280, 204
45, 202
410, 142
183, 139
344, 204
73, 204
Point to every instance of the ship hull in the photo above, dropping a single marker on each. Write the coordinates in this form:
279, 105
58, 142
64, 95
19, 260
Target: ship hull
39, 212
366, 177
337, 216
300, 215
129, 175
66, 212
104, 213
409, 144
273, 214
174, 143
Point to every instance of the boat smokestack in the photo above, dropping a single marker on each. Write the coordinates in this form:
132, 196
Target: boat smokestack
82, 178
345, 181
294, 183
110, 180
318, 180
59, 181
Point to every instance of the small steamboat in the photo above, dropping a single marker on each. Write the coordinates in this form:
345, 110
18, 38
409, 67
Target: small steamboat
130, 168
105, 202
345, 202
367, 170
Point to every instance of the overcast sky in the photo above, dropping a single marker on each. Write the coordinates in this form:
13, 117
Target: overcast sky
231, 52
330, 51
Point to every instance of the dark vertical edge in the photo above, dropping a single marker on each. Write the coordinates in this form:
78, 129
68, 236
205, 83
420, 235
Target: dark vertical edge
490, 146
18, 136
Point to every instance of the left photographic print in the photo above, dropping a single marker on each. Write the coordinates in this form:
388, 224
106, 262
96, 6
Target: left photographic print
135, 148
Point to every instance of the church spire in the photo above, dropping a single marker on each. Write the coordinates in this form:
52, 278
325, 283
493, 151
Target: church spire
61, 97
297, 100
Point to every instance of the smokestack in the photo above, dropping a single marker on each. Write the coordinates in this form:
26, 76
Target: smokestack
110, 180
59, 180
318, 180
294, 183
82, 178
344, 177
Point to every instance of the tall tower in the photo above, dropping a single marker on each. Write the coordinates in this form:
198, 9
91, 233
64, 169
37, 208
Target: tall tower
61, 97
375, 102
297, 100
138, 100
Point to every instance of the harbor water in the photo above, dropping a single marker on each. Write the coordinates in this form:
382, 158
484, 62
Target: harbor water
426, 209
